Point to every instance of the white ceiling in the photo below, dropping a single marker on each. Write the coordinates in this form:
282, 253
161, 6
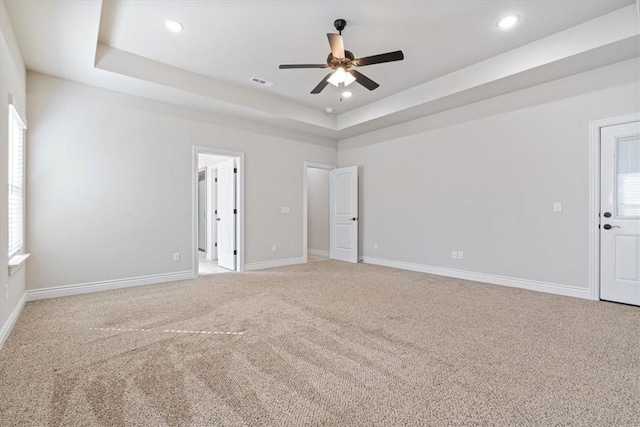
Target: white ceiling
235, 40
123, 45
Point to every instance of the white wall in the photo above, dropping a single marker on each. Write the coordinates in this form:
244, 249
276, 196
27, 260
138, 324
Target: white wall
12, 81
110, 184
318, 209
483, 178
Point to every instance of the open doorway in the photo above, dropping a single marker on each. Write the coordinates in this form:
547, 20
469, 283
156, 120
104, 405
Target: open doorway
330, 213
316, 218
218, 215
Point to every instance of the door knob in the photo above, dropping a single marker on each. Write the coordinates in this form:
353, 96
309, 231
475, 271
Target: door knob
607, 214
609, 226
354, 219
217, 219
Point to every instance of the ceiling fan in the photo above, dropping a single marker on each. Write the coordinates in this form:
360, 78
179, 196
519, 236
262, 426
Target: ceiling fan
341, 62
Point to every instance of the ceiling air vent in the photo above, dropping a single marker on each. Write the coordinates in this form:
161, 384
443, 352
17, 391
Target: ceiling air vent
261, 82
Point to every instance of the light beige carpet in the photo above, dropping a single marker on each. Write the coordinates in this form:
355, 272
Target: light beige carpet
326, 343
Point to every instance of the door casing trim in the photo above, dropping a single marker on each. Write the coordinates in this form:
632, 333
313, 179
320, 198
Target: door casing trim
594, 196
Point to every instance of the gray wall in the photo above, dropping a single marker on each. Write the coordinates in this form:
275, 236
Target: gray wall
110, 184
12, 81
483, 178
318, 209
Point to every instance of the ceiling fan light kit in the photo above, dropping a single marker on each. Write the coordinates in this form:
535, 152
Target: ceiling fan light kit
341, 62
341, 77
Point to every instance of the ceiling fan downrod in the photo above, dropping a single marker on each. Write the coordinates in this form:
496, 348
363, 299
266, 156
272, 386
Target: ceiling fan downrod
340, 24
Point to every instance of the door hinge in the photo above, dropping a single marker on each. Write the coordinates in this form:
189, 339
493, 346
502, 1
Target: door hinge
216, 180
235, 170
216, 244
216, 211
235, 252
235, 211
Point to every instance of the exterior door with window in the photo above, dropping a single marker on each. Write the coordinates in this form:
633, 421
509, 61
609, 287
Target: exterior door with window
620, 213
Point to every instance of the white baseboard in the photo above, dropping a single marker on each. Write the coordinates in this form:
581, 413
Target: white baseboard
551, 288
318, 252
11, 321
63, 291
271, 264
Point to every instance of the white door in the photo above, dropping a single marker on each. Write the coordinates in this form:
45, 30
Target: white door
620, 213
212, 223
344, 214
202, 210
227, 214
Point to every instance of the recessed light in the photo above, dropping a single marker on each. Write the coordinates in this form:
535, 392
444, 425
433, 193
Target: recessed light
329, 110
174, 26
508, 21
346, 94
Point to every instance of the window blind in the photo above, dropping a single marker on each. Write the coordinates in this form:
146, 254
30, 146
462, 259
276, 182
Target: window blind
16, 182
629, 194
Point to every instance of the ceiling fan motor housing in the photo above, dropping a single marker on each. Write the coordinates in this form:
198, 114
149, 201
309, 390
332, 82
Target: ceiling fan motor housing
346, 61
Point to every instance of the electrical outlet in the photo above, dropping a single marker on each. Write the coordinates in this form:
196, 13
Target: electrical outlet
176, 256
286, 210
557, 207
375, 245
274, 248
460, 255
454, 254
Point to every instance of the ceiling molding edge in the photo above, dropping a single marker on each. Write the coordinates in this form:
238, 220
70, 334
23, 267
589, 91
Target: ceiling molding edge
595, 35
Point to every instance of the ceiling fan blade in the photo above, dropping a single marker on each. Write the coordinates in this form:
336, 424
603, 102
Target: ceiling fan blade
364, 80
292, 66
379, 59
337, 45
323, 83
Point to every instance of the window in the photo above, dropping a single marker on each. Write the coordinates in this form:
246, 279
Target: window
628, 177
16, 182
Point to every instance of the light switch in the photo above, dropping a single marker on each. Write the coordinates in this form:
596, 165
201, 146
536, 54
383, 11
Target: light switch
286, 210
557, 207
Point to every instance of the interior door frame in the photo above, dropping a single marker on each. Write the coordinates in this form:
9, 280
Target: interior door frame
305, 196
240, 221
594, 196
206, 211
211, 172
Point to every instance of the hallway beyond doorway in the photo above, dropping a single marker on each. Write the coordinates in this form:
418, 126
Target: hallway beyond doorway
209, 266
